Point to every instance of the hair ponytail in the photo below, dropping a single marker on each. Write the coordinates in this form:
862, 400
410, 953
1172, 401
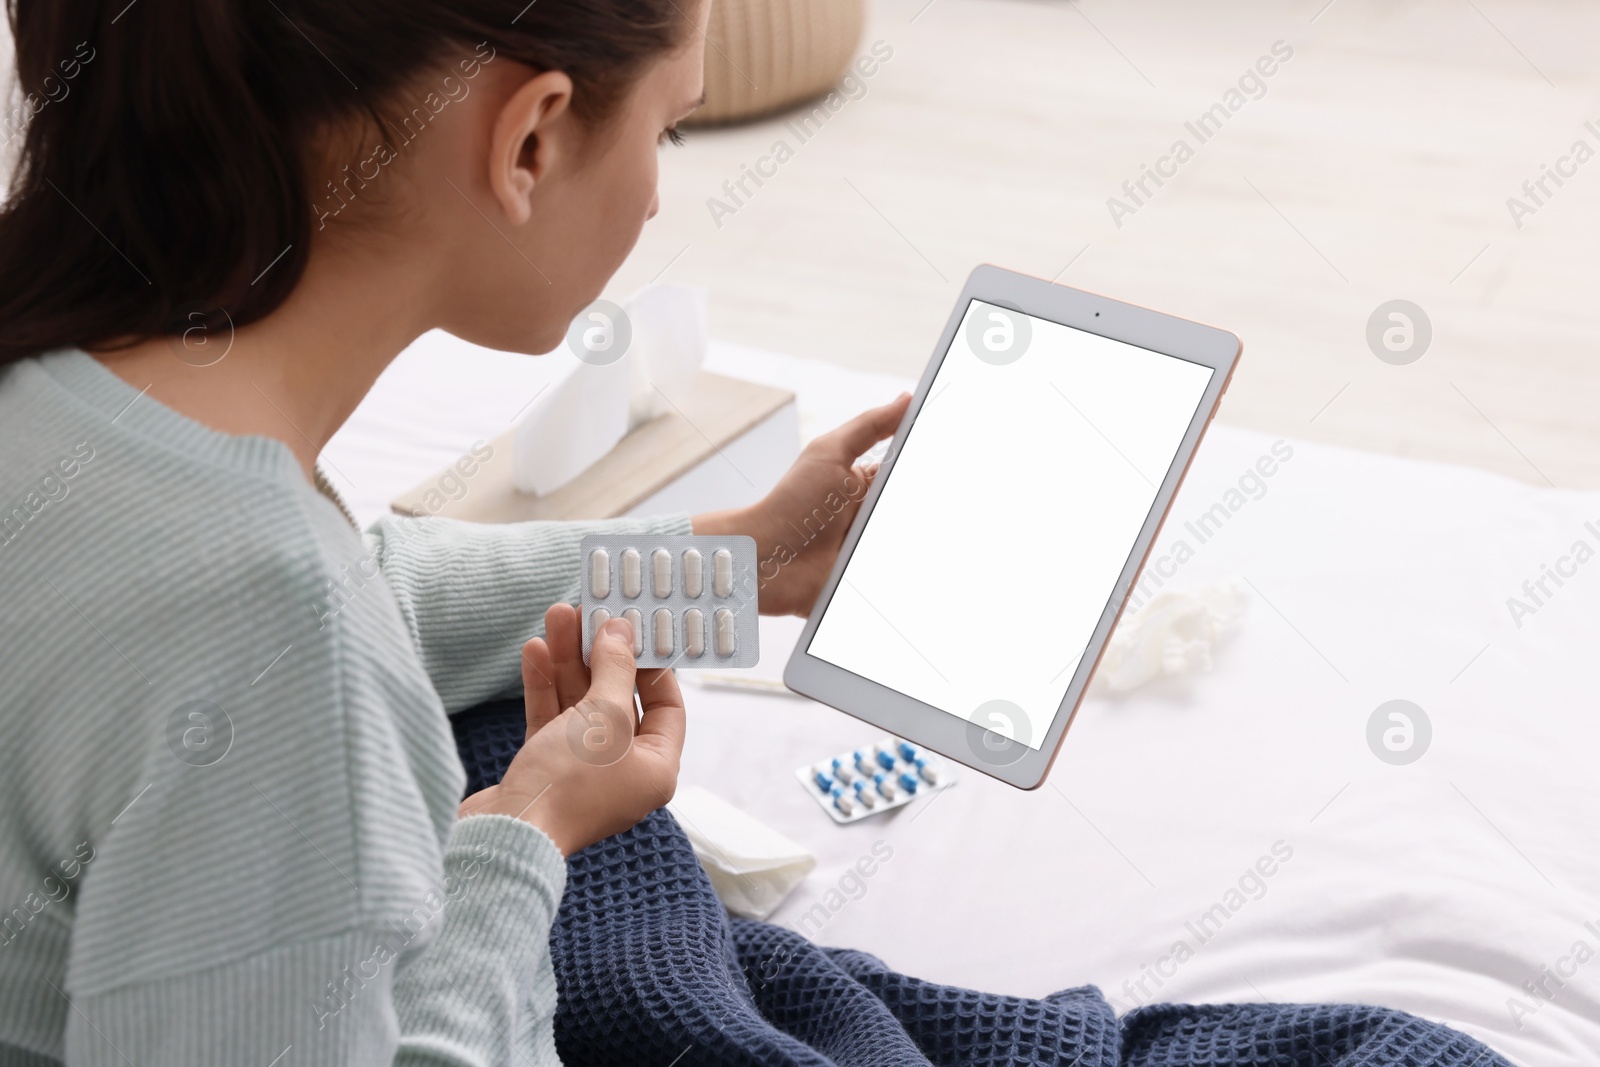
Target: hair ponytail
162, 169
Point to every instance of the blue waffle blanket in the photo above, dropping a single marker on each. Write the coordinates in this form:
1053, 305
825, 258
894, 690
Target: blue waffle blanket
652, 971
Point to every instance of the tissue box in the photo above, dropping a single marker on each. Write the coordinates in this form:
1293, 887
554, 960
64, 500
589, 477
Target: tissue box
724, 445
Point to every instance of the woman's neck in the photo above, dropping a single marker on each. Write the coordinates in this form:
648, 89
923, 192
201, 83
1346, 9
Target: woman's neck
299, 373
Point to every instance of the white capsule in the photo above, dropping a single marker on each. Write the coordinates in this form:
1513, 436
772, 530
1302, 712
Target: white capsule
663, 626
631, 579
600, 573
694, 633
722, 573
845, 805
598, 618
726, 633
693, 573
636, 621
661, 572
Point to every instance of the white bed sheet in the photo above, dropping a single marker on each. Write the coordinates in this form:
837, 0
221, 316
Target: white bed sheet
1440, 887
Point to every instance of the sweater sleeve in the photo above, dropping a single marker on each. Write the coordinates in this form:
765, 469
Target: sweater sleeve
473, 594
482, 994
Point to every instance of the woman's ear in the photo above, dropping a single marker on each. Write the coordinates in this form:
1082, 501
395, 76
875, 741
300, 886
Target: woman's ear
528, 140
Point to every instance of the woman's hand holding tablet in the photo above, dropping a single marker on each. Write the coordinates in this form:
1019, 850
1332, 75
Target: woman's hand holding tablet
1027, 481
800, 525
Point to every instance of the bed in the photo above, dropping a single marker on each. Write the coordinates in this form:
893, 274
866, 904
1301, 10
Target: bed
1462, 887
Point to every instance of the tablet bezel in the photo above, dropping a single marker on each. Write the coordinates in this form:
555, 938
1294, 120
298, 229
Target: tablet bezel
933, 728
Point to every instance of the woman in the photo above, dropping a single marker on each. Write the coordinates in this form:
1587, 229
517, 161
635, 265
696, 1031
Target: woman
229, 823
228, 814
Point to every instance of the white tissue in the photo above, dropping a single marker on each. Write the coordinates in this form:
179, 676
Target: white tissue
569, 426
751, 866
582, 416
669, 344
1174, 634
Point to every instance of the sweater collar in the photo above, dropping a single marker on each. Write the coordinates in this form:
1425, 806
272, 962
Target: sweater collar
133, 411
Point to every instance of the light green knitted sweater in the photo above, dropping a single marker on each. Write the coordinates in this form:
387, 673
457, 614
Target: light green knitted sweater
227, 782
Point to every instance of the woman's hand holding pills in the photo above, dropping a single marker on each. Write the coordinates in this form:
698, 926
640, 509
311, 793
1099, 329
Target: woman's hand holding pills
800, 526
590, 767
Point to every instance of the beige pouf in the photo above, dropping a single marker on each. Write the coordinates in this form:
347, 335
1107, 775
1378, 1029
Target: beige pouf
765, 55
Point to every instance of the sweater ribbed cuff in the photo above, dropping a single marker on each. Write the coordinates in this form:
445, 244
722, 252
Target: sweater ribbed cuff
504, 869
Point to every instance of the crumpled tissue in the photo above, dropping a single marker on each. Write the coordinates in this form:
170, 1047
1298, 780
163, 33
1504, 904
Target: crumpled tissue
1174, 634
751, 866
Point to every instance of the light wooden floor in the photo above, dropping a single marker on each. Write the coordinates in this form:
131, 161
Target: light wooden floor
1377, 166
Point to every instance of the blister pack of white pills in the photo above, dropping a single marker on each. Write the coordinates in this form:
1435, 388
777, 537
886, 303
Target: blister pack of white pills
691, 600
870, 781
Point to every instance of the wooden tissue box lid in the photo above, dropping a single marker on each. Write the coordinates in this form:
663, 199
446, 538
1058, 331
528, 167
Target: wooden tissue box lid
716, 412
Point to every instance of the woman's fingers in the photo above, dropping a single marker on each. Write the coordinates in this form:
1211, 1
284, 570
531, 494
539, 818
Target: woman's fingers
609, 679
662, 702
539, 685
868, 428
661, 731
587, 776
611, 664
563, 631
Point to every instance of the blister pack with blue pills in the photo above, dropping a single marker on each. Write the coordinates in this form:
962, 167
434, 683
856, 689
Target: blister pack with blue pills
692, 600
870, 781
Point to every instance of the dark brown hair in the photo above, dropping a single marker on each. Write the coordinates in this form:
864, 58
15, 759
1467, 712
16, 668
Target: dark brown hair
163, 143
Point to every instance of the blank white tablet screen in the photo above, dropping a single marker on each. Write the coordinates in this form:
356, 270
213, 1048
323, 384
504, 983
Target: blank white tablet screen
1013, 506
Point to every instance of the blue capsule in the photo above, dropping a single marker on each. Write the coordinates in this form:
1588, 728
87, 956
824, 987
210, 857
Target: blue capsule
843, 800
908, 782
908, 751
885, 785
886, 760
824, 781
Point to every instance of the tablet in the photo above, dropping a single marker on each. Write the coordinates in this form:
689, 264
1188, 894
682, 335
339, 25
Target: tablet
990, 559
